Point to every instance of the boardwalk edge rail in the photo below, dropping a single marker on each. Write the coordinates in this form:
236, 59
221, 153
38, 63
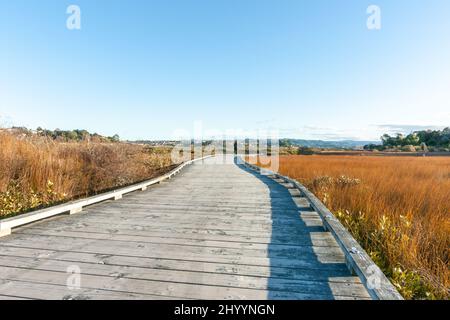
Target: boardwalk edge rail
6, 225
357, 259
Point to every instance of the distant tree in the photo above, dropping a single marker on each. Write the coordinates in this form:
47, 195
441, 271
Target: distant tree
75, 135
285, 143
412, 139
425, 139
387, 140
305, 151
72, 136
372, 147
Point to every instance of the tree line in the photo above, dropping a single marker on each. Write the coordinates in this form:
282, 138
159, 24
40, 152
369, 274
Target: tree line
424, 140
76, 135
66, 135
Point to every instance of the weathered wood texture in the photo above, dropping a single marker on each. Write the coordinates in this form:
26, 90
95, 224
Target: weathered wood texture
214, 231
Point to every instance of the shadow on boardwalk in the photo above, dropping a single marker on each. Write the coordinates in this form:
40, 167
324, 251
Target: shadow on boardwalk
294, 265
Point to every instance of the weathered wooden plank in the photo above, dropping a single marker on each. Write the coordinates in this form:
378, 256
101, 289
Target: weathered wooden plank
323, 254
163, 215
315, 238
34, 290
334, 273
346, 287
165, 239
328, 262
227, 219
275, 233
219, 224
273, 236
159, 288
9, 297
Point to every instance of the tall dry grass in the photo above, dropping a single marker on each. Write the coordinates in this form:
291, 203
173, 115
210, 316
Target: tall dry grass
37, 171
398, 208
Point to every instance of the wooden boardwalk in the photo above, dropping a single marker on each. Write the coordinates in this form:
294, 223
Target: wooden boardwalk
214, 231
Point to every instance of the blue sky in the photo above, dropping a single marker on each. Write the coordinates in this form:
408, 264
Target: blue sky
143, 69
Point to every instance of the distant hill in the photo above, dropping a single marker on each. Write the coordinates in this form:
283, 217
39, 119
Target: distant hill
156, 142
343, 144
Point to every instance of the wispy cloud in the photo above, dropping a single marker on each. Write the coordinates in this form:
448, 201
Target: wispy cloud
5, 121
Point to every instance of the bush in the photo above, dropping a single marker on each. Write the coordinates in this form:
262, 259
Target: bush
305, 151
408, 148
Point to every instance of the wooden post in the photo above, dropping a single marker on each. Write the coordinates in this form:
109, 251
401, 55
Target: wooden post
75, 210
5, 232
